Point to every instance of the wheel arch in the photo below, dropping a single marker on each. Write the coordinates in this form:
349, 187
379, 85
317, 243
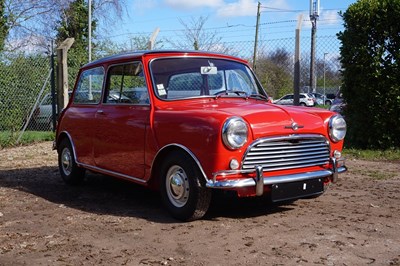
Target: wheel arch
64, 135
163, 153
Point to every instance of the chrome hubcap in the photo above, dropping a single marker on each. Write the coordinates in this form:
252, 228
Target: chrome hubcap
66, 161
177, 185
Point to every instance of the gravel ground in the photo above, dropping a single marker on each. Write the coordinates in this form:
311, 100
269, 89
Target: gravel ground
111, 222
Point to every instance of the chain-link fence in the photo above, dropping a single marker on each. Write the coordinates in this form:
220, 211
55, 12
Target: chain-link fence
24, 88
274, 64
25, 80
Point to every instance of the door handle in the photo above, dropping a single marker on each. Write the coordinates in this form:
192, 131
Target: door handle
101, 112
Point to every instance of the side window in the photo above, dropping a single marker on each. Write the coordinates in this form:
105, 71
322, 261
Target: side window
288, 97
89, 87
126, 84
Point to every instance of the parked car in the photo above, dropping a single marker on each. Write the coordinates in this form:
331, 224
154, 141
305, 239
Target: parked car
338, 105
321, 99
329, 98
203, 123
42, 118
305, 99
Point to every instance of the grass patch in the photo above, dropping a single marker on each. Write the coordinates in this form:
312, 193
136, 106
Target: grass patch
8, 138
324, 106
373, 155
375, 174
379, 175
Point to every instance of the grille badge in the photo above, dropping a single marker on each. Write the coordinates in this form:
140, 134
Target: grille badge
294, 126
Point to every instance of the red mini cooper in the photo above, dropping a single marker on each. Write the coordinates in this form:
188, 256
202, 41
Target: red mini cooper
191, 122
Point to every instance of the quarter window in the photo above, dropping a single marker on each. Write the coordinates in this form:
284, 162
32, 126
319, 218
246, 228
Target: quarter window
126, 85
89, 87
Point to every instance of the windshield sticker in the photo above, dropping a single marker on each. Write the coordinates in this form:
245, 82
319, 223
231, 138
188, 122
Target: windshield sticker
161, 90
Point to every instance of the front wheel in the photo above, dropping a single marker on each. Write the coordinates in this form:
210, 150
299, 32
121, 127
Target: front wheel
181, 190
69, 170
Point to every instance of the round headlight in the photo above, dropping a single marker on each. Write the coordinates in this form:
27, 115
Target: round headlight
337, 128
234, 133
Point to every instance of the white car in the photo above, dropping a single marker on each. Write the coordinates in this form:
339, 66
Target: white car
322, 99
304, 100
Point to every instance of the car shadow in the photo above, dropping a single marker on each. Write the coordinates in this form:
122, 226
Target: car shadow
102, 194
228, 205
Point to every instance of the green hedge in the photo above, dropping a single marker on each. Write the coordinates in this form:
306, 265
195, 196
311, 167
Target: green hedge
370, 59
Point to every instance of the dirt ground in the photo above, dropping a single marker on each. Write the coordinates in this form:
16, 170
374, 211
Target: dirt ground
111, 222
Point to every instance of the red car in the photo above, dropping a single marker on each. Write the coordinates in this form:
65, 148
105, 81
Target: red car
188, 123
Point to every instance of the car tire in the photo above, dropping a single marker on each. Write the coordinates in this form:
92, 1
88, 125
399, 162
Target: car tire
69, 170
182, 193
302, 104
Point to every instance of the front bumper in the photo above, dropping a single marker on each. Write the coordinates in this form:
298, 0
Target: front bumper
260, 180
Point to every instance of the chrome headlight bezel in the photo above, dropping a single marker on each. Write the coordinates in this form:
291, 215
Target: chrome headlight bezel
337, 128
235, 133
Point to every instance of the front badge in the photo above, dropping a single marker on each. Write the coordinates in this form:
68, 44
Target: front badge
294, 126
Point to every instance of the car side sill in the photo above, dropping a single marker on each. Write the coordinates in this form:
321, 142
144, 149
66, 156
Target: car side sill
111, 173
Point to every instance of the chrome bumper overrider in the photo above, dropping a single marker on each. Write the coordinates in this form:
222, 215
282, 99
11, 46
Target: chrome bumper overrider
260, 181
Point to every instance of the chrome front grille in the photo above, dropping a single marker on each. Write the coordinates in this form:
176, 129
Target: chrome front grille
287, 152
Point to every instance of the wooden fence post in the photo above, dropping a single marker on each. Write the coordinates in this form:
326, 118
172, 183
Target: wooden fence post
62, 73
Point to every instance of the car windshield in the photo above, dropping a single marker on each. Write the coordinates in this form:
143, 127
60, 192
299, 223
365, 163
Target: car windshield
186, 77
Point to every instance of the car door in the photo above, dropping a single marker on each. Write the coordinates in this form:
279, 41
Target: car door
79, 117
121, 122
288, 99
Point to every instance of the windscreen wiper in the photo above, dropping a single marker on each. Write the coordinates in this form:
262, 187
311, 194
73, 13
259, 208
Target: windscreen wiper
257, 95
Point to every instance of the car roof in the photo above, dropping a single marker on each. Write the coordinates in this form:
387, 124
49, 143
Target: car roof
137, 54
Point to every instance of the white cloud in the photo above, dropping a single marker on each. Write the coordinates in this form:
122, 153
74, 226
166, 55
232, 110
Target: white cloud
279, 4
142, 5
192, 4
240, 8
244, 8
224, 8
330, 17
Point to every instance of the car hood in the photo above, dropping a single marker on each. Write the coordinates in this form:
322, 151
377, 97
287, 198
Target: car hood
264, 119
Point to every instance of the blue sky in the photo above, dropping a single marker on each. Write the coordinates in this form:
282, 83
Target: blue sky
233, 20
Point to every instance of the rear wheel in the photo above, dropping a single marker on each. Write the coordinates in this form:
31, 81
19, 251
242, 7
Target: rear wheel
181, 189
69, 170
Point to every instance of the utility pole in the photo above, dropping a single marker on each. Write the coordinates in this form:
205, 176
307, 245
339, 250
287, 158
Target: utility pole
90, 30
296, 83
314, 14
324, 77
256, 37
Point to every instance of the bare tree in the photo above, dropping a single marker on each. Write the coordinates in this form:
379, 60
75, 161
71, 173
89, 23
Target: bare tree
33, 22
108, 47
196, 36
108, 12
